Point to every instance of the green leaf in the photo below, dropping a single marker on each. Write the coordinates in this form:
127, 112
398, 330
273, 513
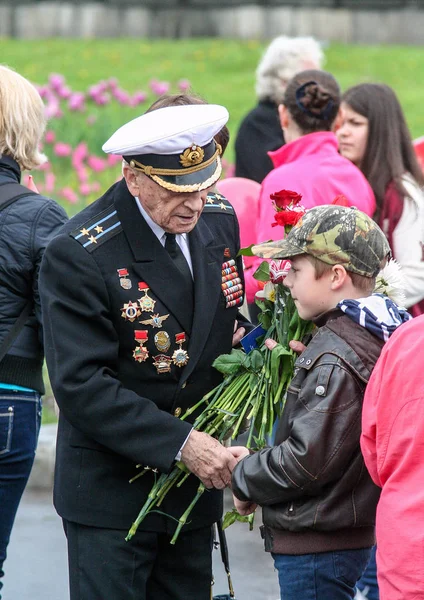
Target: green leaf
276, 359
230, 364
262, 272
248, 250
256, 360
232, 516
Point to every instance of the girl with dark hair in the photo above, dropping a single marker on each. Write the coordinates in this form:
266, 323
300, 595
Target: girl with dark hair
309, 163
375, 137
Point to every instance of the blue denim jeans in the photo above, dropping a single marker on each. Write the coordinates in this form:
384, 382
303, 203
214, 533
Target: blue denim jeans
20, 417
322, 576
368, 584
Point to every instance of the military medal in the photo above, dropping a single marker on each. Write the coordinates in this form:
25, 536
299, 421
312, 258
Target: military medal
162, 341
130, 311
140, 354
231, 284
227, 253
124, 279
155, 320
146, 303
180, 356
162, 363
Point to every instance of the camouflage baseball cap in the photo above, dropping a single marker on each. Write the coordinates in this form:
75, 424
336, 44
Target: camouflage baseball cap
335, 235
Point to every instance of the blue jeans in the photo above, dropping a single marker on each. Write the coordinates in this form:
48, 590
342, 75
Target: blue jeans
322, 576
20, 416
368, 584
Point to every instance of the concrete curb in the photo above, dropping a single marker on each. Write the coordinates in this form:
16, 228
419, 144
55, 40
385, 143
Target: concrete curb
42, 473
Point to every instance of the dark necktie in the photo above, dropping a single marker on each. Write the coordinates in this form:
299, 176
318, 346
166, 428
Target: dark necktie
180, 261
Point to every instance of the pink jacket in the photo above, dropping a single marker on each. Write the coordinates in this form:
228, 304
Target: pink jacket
392, 443
311, 166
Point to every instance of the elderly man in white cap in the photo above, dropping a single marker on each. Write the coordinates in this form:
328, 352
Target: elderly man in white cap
137, 307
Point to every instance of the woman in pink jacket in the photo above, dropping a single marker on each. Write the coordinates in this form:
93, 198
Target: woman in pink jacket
309, 162
393, 447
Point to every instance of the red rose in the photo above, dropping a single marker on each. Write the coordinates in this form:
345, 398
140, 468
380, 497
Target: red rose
340, 200
287, 217
285, 198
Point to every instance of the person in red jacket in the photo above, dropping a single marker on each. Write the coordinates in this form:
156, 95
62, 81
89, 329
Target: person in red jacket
309, 162
375, 137
392, 444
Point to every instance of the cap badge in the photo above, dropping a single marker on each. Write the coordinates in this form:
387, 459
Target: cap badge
192, 156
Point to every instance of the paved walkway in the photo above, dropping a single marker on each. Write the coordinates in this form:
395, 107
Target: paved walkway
36, 567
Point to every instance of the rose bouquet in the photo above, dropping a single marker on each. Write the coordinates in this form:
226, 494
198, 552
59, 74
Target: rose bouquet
252, 393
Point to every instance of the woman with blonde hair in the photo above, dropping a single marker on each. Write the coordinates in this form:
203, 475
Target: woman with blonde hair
27, 222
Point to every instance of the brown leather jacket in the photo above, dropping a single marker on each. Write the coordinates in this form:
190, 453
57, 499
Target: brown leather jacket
313, 486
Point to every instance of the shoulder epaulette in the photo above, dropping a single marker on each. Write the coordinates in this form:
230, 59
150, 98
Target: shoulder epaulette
217, 203
94, 232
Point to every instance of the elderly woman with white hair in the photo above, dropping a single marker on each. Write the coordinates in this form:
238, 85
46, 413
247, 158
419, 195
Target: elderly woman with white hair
260, 131
27, 222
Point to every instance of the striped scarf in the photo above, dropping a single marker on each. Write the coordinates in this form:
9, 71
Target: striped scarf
377, 313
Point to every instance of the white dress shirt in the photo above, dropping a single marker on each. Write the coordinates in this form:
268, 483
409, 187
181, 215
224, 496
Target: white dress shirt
182, 241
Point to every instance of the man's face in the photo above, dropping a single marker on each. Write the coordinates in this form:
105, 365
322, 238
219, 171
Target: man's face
175, 212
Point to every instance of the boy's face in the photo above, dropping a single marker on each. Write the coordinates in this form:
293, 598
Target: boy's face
311, 296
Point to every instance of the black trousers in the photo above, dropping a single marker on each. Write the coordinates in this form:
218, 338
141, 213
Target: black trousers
103, 566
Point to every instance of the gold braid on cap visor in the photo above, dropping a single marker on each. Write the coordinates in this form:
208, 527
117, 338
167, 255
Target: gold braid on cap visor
195, 187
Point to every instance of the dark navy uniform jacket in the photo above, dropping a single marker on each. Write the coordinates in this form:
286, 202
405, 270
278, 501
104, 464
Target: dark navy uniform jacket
116, 412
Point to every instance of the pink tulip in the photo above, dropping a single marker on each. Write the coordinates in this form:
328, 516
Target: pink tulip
50, 137
159, 87
56, 81
79, 154
184, 85
61, 149
77, 102
113, 159
49, 182
85, 189
64, 92
96, 164
45, 166
82, 174
102, 99
68, 194
113, 83
53, 108
138, 98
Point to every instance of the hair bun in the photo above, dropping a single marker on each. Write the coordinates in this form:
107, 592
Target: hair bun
313, 100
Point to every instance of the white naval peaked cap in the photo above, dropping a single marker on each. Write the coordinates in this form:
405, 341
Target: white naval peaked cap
174, 146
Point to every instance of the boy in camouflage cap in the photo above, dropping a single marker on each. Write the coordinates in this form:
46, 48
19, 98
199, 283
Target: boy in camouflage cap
334, 235
318, 499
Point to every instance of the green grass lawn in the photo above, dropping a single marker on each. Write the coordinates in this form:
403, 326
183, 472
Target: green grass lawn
222, 71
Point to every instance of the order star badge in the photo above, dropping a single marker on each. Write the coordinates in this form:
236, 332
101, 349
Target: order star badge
130, 311
155, 320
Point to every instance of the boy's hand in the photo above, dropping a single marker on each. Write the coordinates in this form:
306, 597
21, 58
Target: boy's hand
296, 346
239, 452
244, 508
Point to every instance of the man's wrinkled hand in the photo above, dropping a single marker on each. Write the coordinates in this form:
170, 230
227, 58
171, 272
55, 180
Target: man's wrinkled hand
243, 507
208, 460
238, 334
